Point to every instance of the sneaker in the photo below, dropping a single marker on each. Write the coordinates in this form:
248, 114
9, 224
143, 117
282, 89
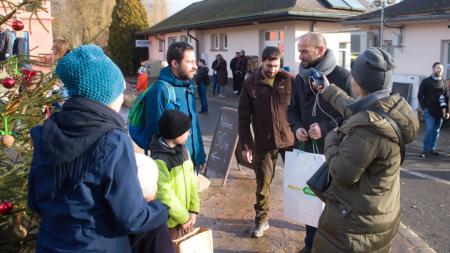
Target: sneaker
236, 92
260, 229
424, 155
221, 96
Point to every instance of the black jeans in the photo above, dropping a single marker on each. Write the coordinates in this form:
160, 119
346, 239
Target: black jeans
156, 240
309, 238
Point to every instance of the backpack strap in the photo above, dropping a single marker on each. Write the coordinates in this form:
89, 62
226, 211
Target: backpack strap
172, 95
397, 131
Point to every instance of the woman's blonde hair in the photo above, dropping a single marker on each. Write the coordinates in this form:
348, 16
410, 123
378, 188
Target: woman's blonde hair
60, 48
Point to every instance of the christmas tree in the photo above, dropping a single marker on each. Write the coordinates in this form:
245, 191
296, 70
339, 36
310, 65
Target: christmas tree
26, 99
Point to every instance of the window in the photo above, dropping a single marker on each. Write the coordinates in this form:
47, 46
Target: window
446, 62
161, 46
342, 54
389, 46
214, 42
223, 41
274, 39
184, 38
172, 40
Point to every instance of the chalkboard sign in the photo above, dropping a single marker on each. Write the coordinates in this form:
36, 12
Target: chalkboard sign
223, 144
404, 89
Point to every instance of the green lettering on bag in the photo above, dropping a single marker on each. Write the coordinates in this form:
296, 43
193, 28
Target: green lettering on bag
307, 191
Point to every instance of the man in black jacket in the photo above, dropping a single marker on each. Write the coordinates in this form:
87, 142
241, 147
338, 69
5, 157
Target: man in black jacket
433, 99
310, 117
202, 81
233, 63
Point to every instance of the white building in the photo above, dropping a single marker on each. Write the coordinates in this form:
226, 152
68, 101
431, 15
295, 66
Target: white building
416, 33
217, 26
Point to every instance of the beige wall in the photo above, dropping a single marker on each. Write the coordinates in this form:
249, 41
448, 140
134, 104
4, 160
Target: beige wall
423, 45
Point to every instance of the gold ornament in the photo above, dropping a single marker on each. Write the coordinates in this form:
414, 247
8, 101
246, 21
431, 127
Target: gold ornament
7, 140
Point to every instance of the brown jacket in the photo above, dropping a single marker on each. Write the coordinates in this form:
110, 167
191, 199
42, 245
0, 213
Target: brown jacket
265, 107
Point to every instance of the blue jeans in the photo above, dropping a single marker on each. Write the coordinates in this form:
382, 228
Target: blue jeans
201, 88
431, 132
215, 85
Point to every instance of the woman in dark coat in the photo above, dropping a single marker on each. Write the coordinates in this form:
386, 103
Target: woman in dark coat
220, 65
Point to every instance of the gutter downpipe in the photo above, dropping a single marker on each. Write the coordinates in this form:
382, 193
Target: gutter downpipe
197, 50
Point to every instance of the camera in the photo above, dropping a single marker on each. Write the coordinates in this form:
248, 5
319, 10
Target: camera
316, 77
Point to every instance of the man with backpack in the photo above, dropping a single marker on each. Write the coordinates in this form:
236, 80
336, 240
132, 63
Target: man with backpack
174, 89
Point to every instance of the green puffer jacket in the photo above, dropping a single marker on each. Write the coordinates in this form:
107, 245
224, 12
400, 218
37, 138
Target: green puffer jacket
177, 185
362, 210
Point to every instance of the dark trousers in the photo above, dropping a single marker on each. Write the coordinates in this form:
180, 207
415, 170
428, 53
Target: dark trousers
240, 79
201, 88
309, 238
235, 81
157, 240
264, 163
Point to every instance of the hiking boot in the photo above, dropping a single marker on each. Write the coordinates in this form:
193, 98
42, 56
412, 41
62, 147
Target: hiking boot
424, 155
260, 229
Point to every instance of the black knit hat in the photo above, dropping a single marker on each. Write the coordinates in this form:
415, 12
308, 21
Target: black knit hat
173, 124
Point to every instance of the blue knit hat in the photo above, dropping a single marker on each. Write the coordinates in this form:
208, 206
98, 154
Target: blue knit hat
87, 72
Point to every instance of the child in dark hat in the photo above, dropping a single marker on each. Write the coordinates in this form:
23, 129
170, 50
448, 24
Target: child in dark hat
177, 186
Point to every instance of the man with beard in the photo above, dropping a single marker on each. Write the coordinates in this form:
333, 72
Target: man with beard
433, 100
310, 117
175, 89
263, 103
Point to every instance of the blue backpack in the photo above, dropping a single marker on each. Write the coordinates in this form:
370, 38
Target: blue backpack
137, 116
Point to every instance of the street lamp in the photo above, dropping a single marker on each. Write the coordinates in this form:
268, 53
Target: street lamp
382, 4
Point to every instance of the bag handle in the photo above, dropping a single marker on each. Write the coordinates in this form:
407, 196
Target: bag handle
397, 131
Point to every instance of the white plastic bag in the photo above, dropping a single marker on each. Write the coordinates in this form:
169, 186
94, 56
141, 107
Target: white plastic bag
300, 203
147, 174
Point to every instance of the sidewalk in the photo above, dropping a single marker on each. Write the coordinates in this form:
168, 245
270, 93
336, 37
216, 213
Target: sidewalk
228, 210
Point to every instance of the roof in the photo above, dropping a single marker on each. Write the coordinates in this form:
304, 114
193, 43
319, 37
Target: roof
219, 13
407, 10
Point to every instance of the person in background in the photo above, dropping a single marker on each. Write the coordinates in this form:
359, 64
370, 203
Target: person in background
220, 66
433, 100
241, 70
215, 86
263, 104
177, 184
202, 81
60, 48
362, 203
309, 122
83, 178
233, 64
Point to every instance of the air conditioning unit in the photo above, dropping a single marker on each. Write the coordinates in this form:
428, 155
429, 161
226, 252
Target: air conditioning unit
408, 87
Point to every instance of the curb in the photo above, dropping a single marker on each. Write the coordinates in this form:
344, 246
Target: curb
419, 244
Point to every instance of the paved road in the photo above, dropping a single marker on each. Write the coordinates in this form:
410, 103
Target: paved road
425, 192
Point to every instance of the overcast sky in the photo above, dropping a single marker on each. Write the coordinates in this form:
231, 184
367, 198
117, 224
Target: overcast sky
177, 5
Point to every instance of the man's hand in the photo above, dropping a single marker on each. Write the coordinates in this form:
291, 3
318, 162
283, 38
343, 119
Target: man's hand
447, 116
247, 156
301, 134
314, 131
202, 168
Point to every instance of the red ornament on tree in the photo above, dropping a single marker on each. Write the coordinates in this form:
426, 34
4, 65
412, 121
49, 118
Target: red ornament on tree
17, 25
6, 207
8, 82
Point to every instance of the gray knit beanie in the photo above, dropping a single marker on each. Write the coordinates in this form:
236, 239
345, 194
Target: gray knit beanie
373, 69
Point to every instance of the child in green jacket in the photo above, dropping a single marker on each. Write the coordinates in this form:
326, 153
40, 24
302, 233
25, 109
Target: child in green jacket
177, 185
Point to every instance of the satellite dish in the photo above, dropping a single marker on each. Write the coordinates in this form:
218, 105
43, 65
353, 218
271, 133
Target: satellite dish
377, 3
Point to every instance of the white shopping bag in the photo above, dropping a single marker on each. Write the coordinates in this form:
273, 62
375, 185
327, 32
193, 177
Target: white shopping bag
147, 174
300, 203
